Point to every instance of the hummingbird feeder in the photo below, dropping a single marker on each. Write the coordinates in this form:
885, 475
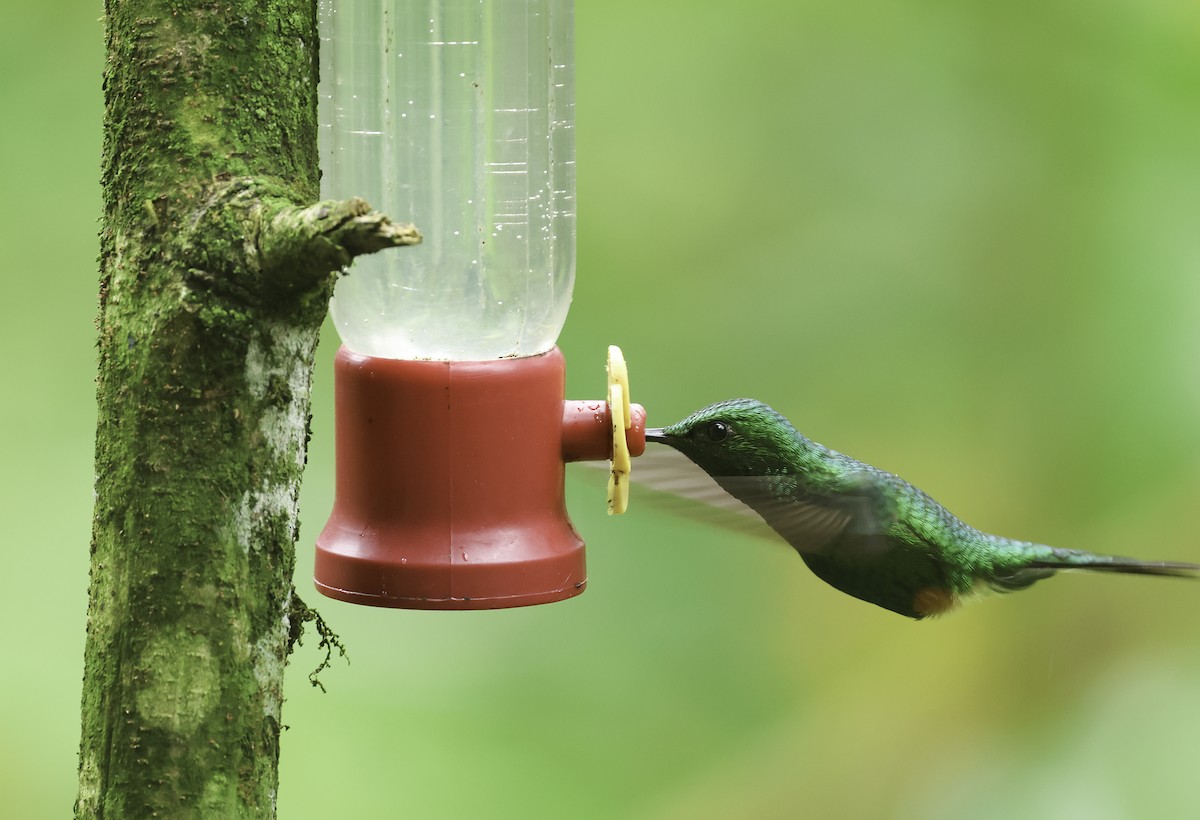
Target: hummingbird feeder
452, 429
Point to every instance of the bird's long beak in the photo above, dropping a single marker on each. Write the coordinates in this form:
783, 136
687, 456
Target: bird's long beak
657, 434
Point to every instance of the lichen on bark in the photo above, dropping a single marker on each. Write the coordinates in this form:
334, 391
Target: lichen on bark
216, 267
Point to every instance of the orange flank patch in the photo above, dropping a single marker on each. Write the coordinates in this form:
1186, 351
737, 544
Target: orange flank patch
933, 601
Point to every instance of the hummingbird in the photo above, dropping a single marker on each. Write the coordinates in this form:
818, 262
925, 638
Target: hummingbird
860, 529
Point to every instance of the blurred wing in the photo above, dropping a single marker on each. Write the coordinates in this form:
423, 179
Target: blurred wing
764, 506
668, 480
809, 523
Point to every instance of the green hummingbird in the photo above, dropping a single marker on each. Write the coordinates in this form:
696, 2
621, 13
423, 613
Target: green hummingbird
862, 530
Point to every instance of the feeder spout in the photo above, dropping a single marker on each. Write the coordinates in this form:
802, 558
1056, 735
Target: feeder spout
587, 431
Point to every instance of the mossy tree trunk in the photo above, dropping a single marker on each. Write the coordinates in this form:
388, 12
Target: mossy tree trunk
216, 266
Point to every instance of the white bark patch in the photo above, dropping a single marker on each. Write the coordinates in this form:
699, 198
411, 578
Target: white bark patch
283, 358
183, 682
257, 507
278, 373
269, 660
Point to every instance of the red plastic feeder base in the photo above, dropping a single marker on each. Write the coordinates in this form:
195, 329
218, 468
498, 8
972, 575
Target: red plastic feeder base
449, 485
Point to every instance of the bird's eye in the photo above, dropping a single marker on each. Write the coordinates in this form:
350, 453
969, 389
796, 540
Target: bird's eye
717, 431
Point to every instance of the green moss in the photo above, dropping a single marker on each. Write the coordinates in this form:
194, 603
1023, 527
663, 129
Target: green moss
182, 680
199, 116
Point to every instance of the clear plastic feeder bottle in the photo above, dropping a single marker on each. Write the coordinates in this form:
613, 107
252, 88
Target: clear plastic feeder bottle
458, 116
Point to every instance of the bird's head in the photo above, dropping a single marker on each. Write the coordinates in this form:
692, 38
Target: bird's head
738, 437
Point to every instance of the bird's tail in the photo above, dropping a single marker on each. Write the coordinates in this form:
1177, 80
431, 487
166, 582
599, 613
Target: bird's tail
1043, 562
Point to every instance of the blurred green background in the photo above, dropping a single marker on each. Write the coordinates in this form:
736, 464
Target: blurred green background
959, 240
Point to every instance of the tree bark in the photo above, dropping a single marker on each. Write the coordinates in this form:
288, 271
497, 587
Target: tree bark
216, 268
